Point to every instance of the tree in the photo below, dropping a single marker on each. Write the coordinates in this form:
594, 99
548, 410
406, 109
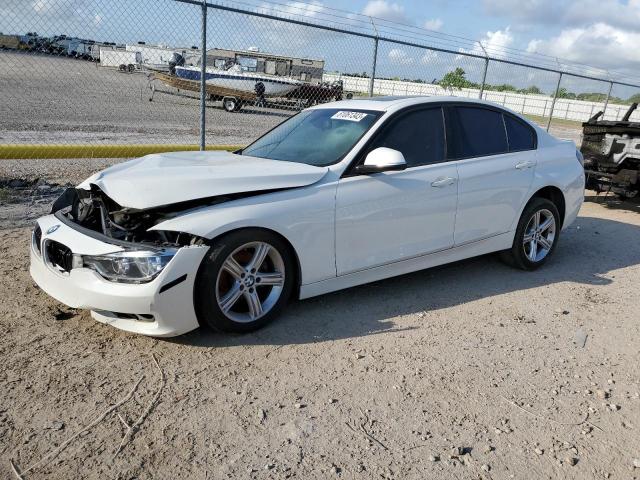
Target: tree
563, 93
455, 79
505, 87
634, 98
532, 90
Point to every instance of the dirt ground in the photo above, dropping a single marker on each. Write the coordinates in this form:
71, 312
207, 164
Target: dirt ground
467, 371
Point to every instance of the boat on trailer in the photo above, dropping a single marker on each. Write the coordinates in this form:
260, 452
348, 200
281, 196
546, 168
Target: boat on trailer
236, 79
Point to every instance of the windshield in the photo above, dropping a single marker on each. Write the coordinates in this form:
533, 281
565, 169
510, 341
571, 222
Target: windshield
315, 137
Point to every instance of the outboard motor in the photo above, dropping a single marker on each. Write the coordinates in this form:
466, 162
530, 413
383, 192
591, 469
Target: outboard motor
260, 91
177, 60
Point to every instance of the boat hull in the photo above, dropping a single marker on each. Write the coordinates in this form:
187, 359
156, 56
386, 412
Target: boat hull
244, 83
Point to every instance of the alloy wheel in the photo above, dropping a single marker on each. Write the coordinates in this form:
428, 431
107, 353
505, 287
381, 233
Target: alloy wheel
539, 235
250, 282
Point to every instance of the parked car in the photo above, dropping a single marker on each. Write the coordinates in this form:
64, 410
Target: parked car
338, 195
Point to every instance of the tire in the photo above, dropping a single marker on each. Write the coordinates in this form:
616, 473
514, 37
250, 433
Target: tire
230, 104
522, 253
226, 299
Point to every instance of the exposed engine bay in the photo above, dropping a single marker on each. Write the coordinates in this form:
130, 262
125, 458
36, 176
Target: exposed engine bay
93, 210
611, 151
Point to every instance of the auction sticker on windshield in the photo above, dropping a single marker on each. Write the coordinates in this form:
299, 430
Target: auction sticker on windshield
350, 116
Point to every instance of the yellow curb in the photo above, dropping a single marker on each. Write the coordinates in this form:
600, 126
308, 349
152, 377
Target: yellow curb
24, 151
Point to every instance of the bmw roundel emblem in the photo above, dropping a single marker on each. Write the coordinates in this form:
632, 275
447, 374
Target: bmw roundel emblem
52, 229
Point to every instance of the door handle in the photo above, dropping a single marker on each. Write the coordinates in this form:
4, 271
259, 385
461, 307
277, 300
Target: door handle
523, 165
443, 182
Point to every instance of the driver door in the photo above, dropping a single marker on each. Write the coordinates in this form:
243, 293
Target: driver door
390, 216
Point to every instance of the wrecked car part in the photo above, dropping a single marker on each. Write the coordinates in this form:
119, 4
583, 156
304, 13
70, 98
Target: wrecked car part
96, 214
611, 151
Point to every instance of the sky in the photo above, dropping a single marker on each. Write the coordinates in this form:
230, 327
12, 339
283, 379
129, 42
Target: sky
600, 33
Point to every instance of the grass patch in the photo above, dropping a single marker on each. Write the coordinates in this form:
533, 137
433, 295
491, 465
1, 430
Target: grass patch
542, 121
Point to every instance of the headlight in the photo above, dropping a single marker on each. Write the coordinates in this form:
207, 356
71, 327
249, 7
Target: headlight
128, 266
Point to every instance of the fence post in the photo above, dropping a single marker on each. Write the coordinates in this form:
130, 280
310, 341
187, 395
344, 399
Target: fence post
484, 73
553, 101
606, 102
373, 67
203, 71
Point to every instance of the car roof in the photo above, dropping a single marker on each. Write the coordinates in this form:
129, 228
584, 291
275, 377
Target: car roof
394, 102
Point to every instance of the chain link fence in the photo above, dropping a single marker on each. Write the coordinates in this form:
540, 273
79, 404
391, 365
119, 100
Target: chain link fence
123, 78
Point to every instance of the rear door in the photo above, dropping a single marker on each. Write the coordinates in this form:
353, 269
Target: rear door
390, 216
495, 155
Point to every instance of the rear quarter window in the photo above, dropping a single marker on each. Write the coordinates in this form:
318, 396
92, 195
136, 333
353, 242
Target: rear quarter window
520, 135
476, 132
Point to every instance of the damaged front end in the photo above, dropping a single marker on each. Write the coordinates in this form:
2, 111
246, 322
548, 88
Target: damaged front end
94, 211
142, 253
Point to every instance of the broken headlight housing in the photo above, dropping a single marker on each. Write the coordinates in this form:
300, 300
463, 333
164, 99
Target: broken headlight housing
127, 266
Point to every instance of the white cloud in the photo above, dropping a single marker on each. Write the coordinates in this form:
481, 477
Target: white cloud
283, 36
293, 9
605, 33
496, 43
433, 24
385, 10
569, 13
600, 43
429, 58
40, 6
400, 57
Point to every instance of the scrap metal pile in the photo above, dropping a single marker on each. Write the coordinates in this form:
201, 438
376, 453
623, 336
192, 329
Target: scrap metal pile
611, 151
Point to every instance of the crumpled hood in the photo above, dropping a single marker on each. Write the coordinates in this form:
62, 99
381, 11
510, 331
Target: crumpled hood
167, 178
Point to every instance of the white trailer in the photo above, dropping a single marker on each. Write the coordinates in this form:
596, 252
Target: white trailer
115, 58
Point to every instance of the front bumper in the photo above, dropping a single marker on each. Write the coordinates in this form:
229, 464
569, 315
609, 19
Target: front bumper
160, 308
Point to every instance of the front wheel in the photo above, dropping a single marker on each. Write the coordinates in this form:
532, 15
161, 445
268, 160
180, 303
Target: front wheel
536, 237
244, 281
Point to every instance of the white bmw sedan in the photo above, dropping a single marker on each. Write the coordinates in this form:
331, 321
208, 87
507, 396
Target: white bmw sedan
339, 195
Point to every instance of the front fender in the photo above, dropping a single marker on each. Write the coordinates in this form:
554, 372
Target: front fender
303, 216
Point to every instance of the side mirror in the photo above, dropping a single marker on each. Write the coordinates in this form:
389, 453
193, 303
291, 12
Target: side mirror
382, 159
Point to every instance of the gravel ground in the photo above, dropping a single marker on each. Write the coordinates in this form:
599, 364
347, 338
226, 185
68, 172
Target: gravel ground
473, 370
48, 99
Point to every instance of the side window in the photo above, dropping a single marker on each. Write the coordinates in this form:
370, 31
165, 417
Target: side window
476, 132
419, 135
520, 136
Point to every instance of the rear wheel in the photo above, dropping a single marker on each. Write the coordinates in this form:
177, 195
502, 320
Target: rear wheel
230, 104
244, 281
536, 237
